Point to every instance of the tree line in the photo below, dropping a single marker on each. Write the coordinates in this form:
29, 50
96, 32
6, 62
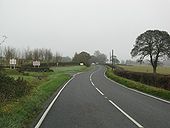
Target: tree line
26, 56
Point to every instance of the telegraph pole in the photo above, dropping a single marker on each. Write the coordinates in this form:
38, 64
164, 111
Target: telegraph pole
112, 59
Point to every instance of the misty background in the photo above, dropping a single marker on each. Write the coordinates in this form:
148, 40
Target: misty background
70, 26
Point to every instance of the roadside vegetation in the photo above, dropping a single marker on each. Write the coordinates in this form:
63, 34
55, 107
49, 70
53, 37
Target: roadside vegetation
158, 92
155, 80
20, 110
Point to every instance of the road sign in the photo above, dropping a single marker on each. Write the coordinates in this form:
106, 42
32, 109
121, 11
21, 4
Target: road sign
36, 63
12, 62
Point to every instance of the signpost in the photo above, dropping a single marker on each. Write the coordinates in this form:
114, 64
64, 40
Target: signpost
12, 62
36, 63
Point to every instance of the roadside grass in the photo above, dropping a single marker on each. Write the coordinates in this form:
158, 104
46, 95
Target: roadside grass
19, 113
158, 92
147, 69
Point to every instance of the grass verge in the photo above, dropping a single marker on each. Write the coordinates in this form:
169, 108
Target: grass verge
19, 113
158, 92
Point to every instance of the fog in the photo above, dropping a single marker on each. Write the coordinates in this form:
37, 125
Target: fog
70, 26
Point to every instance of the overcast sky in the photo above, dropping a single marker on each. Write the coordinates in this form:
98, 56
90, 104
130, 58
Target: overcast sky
70, 26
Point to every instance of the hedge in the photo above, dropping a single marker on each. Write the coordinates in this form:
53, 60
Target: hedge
157, 80
11, 88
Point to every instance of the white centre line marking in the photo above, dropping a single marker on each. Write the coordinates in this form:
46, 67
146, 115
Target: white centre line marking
130, 118
116, 106
105, 97
99, 91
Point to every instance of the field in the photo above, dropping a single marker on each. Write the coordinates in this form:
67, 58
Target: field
147, 69
19, 113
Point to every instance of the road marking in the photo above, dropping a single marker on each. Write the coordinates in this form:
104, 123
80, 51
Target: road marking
145, 94
51, 104
100, 91
94, 84
130, 118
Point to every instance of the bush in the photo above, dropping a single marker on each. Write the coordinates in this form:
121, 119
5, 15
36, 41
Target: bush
52, 64
11, 88
158, 80
34, 69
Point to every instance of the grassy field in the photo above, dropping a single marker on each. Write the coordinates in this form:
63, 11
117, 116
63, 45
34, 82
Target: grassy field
19, 113
148, 69
158, 92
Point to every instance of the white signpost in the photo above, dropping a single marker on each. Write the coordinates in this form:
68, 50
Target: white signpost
36, 63
12, 62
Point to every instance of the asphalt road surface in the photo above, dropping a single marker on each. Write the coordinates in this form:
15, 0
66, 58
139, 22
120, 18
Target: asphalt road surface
90, 100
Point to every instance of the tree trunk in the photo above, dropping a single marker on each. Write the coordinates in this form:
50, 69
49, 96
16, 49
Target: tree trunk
155, 75
154, 70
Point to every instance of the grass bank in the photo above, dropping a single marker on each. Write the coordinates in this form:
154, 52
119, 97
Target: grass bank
19, 113
161, 93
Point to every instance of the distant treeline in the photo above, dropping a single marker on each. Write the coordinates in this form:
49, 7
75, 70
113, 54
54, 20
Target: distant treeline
28, 55
47, 57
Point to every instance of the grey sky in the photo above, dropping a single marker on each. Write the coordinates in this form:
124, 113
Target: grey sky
68, 26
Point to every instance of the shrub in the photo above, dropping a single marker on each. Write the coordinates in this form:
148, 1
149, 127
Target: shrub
34, 69
11, 88
52, 64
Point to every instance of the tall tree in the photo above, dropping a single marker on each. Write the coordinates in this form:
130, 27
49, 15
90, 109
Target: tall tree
66, 59
36, 54
83, 57
154, 44
100, 57
75, 58
58, 57
9, 53
28, 54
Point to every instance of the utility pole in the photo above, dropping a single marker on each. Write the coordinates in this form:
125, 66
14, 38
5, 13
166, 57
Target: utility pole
112, 59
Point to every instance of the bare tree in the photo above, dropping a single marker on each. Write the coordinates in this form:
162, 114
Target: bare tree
9, 53
36, 55
48, 55
58, 57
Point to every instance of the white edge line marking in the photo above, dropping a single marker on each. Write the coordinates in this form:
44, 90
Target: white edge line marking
137, 90
51, 104
130, 118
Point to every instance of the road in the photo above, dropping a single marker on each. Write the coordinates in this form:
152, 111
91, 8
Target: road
90, 100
